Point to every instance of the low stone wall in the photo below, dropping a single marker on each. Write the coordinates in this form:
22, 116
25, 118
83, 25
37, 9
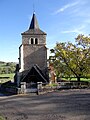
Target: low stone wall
42, 88
74, 84
9, 90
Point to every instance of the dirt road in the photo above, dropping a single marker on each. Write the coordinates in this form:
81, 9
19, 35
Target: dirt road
60, 105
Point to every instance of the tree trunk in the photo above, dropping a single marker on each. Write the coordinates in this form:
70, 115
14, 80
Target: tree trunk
78, 79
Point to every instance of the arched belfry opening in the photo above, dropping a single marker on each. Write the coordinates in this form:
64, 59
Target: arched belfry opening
32, 41
36, 41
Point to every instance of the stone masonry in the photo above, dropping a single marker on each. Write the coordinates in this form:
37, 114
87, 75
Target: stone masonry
33, 48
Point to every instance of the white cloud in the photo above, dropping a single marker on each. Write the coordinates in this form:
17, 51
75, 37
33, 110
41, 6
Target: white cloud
66, 7
78, 30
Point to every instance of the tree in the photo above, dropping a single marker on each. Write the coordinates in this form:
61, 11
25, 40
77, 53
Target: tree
7, 68
73, 59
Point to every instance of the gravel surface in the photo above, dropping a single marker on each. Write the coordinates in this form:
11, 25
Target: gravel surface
59, 105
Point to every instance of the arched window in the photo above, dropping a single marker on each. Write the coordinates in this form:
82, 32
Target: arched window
36, 41
32, 41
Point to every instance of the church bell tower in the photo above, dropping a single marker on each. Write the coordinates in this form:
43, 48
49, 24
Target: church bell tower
33, 48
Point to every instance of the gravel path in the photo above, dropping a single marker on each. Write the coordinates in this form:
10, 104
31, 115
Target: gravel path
59, 105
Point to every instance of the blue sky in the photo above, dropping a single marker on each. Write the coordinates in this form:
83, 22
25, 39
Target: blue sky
62, 20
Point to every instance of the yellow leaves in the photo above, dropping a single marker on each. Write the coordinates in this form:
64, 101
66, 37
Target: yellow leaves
64, 52
84, 41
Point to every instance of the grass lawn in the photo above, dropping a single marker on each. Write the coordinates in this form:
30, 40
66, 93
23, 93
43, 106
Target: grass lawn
7, 75
11, 77
1, 118
75, 79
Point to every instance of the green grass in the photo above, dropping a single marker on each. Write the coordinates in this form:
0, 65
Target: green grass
52, 84
75, 79
7, 75
11, 77
84, 79
1, 118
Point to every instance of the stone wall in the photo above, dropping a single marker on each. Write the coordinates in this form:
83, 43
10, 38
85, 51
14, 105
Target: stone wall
41, 38
30, 54
34, 54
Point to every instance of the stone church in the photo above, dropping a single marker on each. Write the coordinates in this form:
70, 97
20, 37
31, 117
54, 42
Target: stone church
32, 55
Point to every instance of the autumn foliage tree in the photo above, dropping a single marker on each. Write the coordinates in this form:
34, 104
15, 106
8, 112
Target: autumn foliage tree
73, 59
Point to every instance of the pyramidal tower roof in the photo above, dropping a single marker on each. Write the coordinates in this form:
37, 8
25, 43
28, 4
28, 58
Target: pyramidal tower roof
34, 27
34, 22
